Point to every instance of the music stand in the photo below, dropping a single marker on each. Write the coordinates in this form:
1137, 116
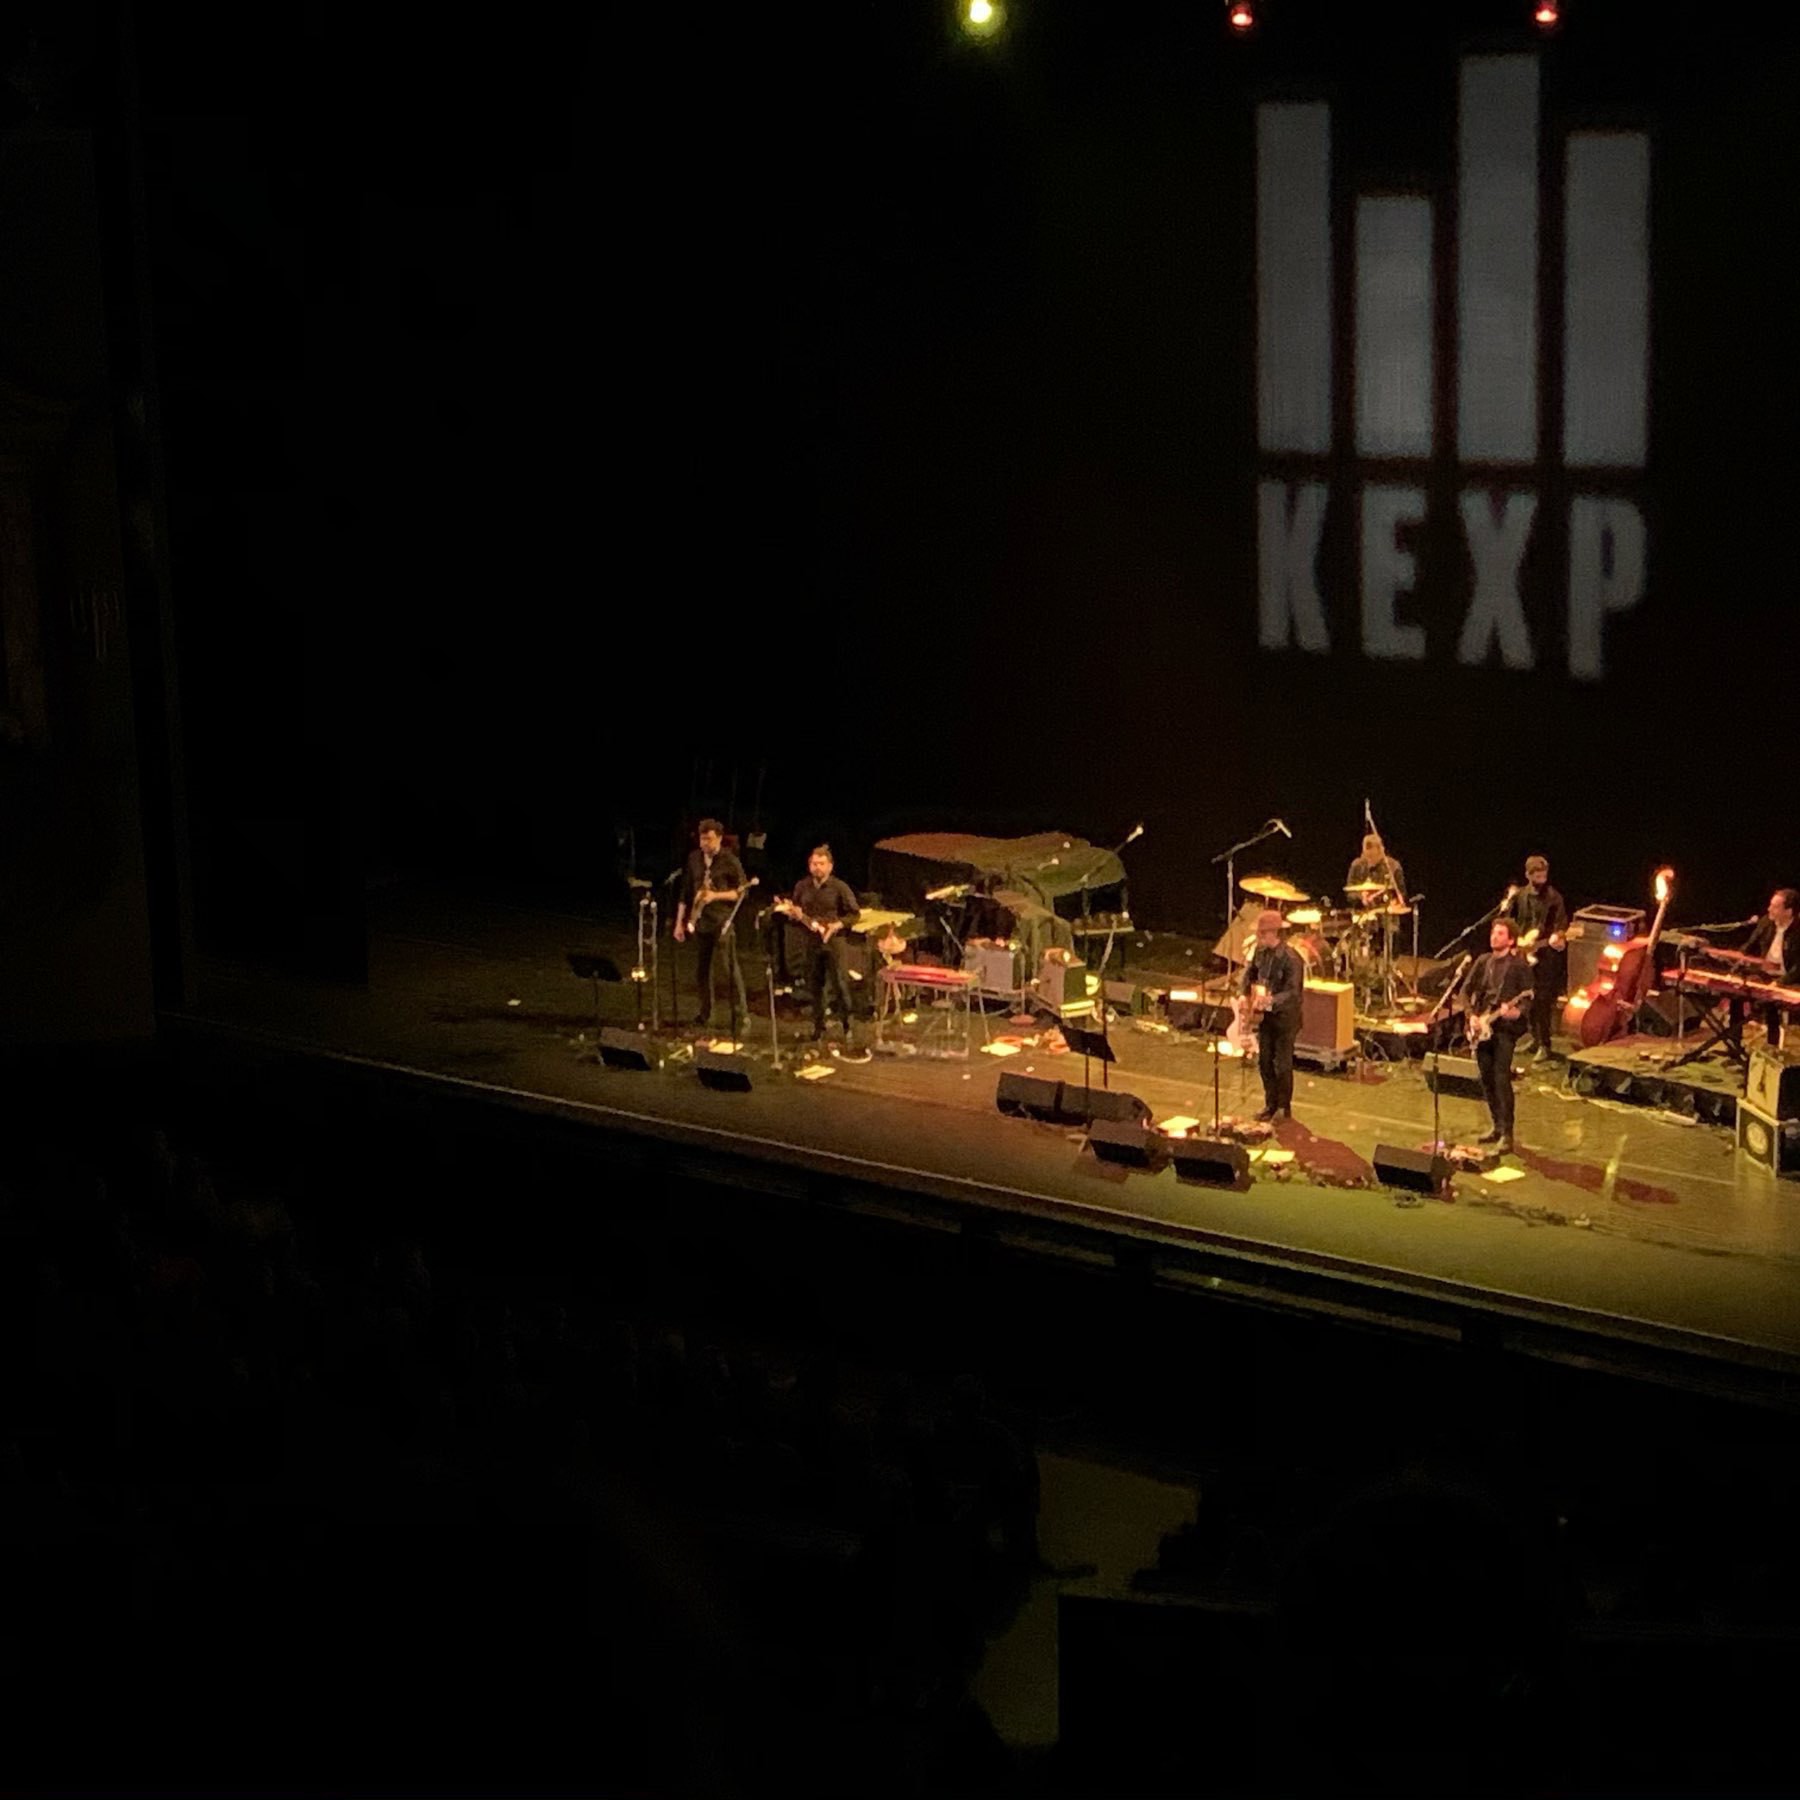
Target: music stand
1091, 1044
594, 966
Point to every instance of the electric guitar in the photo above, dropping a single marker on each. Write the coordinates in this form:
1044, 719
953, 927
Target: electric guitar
826, 929
1246, 1009
1480, 1026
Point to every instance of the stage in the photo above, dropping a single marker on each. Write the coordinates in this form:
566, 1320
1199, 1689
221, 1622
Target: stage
1627, 1233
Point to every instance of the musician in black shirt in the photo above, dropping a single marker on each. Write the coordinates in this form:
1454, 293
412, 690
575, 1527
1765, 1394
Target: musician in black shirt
712, 883
1273, 980
1538, 907
1499, 986
1375, 865
1776, 942
826, 909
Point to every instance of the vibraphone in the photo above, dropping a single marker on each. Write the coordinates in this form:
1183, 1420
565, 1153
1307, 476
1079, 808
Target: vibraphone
943, 999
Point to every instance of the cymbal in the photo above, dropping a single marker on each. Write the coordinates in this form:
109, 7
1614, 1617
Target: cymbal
1272, 887
1396, 908
1305, 915
1367, 887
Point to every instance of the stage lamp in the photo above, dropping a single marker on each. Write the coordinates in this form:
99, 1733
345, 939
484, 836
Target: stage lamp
1241, 15
1547, 14
982, 18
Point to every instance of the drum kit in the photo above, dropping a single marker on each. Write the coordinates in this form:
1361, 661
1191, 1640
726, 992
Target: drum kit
1353, 943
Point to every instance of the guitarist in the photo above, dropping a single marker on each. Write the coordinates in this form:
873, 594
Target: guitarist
827, 907
713, 880
1273, 979
1542, 918
1499, 986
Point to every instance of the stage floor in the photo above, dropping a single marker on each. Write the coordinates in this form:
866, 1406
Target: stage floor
1632, 1224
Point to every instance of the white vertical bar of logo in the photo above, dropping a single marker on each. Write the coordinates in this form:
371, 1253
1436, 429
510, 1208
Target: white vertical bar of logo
1393, 325
1606, 300
1293, 277
1497, 260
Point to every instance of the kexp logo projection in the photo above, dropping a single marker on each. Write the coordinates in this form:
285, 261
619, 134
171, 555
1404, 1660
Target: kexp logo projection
1603, 416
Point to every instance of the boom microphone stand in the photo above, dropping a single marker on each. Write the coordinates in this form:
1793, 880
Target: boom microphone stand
1229, 858
1437, 1055
740, 1000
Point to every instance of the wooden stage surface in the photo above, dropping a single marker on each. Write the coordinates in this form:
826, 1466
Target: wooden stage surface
1627, 1227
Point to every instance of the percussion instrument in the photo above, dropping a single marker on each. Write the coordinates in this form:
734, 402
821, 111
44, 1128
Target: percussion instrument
1272, 887
1306, 915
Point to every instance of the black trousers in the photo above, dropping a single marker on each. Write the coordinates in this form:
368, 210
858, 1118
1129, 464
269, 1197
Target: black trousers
825, 967
1275, 1035
715, 947
1546, 984
1494, 1058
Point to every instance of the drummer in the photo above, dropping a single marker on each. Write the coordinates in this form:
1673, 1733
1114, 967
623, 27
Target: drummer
1375, 877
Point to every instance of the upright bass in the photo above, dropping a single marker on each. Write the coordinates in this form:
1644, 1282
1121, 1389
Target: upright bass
1608, 1006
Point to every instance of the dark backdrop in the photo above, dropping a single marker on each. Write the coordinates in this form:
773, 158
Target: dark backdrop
808, 402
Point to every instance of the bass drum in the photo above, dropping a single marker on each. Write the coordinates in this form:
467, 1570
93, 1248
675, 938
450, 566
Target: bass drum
1314, 952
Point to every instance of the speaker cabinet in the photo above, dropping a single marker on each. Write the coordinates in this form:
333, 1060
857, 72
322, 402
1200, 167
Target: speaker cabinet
1418, 1171
1458, 1075
1066, 1103
1772, 1142
1773, 1086
1131, 1146
1029, 1097
1327, 1016
1080, 1106
625, 1049
728, 1074
1211, 1162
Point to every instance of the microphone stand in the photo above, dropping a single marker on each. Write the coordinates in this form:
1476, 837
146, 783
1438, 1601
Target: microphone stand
674, 968
1229, 859
1487, 918
768, 943
1437, 1059
740, 1001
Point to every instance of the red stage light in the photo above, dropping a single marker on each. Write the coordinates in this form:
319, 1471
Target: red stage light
1241, 14
1548, 13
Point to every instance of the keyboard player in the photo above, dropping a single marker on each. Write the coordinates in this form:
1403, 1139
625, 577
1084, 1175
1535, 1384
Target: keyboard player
1775, 943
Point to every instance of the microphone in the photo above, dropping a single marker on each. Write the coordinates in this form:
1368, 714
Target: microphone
1136, 832
670, 880
1281, 826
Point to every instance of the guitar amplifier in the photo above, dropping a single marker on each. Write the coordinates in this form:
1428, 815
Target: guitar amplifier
1327, 1016
1775, 1143
1067, 988
995, 968
1591, 930
1773, 1085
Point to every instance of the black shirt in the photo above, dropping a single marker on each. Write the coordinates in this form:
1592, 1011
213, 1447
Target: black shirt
828, 901
1544, 911
1283, 973
1764, 935
727, 876
1499, 981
